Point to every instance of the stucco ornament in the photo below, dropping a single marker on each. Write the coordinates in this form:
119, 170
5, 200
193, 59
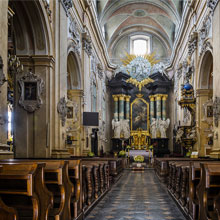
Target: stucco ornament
212, 4
139, 68
31, 87
62, 109
67, 4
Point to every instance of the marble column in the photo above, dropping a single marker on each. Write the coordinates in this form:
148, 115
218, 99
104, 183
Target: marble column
115, 97
121, 107
152, 99
158, 100
127, 108
164, 100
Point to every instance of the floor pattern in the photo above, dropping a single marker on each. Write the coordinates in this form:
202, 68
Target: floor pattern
137, 196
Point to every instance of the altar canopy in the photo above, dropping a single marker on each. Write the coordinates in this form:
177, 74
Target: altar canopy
140, 91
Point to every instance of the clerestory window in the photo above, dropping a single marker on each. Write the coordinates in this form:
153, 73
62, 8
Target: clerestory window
140, 45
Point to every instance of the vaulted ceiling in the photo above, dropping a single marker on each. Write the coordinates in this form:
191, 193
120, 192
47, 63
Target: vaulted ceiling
159, 18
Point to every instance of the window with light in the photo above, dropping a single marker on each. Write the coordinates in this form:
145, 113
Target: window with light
140, 45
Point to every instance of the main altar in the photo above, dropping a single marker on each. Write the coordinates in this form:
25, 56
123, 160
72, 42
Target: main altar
139, 90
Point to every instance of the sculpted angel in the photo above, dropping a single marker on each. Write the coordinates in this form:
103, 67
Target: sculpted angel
163, 125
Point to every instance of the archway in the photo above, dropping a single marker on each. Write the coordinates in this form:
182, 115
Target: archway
29, 44
74, 94
204, 100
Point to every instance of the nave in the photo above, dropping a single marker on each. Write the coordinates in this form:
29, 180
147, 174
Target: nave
137, 196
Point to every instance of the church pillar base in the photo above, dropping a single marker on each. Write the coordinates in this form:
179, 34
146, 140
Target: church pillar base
60, 154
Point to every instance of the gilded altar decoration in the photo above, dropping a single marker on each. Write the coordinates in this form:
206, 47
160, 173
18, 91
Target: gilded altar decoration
140, 68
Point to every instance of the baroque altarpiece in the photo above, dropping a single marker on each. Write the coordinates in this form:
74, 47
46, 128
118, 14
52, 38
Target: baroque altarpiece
140, 91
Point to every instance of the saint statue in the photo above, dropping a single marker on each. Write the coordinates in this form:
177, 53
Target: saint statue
116, 126
163, 125
153, 127
126, 128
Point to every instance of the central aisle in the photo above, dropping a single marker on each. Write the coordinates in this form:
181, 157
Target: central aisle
137, 196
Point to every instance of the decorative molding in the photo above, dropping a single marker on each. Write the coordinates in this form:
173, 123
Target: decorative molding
87, 43
62, 110
206, 26
192, 43
2, 75
206, 46
47, 7
212, 4
31, 87
75, 34
67, 4
100, 70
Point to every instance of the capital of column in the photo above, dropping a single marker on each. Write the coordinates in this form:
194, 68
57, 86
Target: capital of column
152, 97
158, 97
121, 97
115, 97
164, 97
127, 98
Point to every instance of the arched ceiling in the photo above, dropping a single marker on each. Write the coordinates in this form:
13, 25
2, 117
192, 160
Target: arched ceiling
158, 18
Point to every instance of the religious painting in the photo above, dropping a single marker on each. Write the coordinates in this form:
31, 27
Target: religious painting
30, 91
31, 87
209, 111
140, 115
69, 112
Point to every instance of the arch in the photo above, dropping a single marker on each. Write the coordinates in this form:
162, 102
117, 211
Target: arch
32, 29
205, 80
73, 77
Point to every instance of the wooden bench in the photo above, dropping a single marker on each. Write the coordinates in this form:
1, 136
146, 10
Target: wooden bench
58, 182
22, 187
207, 189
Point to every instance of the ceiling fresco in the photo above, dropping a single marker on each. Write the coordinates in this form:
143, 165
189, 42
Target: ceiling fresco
157, 18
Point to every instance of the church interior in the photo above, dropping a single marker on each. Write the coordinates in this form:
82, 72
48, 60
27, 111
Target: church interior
109, 109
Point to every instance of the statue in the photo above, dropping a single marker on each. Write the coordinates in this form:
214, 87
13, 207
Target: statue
192, 133
116, 126
179, 135
163, 125
125, 128
153, 127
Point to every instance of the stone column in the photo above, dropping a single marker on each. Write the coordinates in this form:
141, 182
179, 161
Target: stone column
121, 107
158, 100
127, 108
115, 97
152, 99
164, 113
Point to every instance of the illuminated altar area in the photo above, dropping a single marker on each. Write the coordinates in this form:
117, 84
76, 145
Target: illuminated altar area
140, 90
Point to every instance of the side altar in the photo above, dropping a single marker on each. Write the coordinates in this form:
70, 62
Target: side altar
139, 90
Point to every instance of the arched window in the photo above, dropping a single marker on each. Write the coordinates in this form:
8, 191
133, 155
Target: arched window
140, 45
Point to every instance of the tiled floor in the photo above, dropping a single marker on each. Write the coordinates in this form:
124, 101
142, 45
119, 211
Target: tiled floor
137, 196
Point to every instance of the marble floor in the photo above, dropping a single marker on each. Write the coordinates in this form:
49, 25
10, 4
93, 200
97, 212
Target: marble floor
137, 196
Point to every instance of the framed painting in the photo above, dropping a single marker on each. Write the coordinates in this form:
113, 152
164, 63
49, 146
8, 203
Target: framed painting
140, 115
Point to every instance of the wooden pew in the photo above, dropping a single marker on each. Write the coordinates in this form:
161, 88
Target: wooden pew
217, 205
75, 175
58, 182
22, 187
207, 189
7, 213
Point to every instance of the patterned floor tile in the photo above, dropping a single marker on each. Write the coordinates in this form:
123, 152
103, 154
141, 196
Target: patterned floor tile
137, 196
